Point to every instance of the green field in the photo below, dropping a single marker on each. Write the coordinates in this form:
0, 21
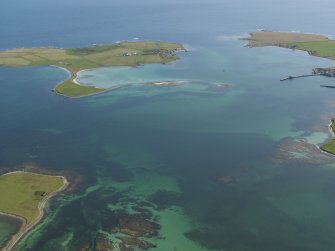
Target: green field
70, 89
22, 192
330, 145
284, 39
75, 60
324, 49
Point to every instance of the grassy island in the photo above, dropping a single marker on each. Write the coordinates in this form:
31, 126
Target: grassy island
75, 60
315, 45
24, 196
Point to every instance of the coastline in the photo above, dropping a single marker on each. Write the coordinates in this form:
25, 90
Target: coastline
280, 38
77, 75
25, 228
332, 133
289, 40
331, 129
74, 75
251, 37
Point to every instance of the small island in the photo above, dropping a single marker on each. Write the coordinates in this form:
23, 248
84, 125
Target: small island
315, 45
79, 59
24, 196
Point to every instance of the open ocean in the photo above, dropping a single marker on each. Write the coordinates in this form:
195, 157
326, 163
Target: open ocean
165, 152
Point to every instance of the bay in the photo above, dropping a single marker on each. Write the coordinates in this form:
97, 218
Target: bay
163, 152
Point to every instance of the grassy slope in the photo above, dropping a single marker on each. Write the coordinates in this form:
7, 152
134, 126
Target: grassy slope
70, 89
282, 38
330, 145
87, 58
317, 45
324, 49
17, 193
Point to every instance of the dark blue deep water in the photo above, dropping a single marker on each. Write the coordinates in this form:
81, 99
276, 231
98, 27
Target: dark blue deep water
163, 154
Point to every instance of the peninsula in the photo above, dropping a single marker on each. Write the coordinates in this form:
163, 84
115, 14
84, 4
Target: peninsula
315, 45
24, 196
78, 59
283, 39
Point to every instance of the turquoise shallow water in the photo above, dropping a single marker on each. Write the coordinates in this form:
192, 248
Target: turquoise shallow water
123, 76
159, 152
225, 160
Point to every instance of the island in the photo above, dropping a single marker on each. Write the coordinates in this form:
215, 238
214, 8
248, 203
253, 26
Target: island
79, 59
315, 45
24, 196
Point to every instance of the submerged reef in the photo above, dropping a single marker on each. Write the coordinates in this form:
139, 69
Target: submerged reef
124, 232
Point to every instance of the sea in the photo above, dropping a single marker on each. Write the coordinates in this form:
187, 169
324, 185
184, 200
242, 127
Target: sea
225, 160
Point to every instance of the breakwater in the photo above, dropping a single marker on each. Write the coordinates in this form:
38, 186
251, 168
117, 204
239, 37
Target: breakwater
301, 76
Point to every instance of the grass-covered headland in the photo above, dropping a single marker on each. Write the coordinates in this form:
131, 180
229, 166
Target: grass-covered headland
24, 195
315, 45
329, 147
75, 60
